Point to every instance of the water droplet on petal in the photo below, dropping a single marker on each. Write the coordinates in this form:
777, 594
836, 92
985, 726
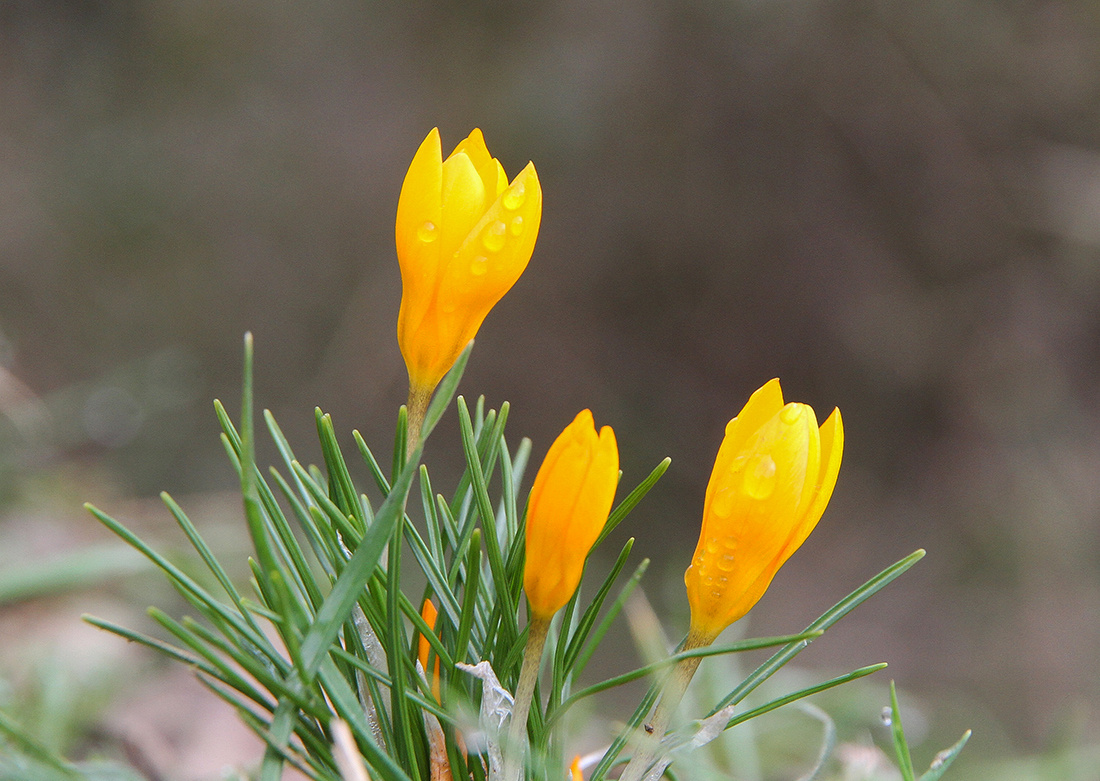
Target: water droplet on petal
760, 477
514, 196
479, 266
792, 413
427, 232
726, 563
722, 504
888, 716
494, 236
515, 227
448, 306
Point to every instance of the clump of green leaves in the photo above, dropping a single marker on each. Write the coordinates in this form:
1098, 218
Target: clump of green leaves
327, 634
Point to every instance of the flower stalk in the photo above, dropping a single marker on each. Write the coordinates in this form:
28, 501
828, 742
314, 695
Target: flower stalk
648, 740
515, 747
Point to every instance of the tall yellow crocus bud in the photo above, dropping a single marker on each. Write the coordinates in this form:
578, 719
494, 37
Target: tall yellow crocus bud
569, 505
464, 236
773, 476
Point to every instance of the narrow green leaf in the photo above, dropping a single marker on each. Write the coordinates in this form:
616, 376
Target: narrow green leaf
632, 499
372, 463
32, 748
469, 601
445, 392
261, 543
401, 440
205, 553
897, 733
801, 693
157, 645
277, 739
584, 626
342, 488
943, 760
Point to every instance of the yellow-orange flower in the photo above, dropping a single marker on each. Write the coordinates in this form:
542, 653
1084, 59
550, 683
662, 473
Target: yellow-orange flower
772, 478
464, 236
569, 505
423, 648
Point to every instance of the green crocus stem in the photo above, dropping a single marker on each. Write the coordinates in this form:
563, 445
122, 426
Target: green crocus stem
649, 738
419, 397
516, 744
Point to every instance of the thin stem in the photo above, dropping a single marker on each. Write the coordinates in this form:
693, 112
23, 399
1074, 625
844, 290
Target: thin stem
419, 397
515, 746
649, 738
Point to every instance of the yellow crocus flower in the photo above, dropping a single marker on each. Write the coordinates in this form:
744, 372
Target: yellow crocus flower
569, 505
772, 478
464, 236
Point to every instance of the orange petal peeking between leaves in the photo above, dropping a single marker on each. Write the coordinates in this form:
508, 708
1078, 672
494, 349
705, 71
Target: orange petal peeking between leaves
772, 478
423, 647
464, 236
569, 505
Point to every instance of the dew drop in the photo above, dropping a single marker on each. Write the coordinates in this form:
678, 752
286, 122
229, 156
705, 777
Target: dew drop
792, 413
479, 266
515, 227
514, 196
427, 232
493, 239
726, 563
887, 716
760, 477
448, 306
722, 504
739, 463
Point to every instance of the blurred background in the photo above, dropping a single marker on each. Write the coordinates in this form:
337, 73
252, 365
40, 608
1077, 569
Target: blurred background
894, 207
